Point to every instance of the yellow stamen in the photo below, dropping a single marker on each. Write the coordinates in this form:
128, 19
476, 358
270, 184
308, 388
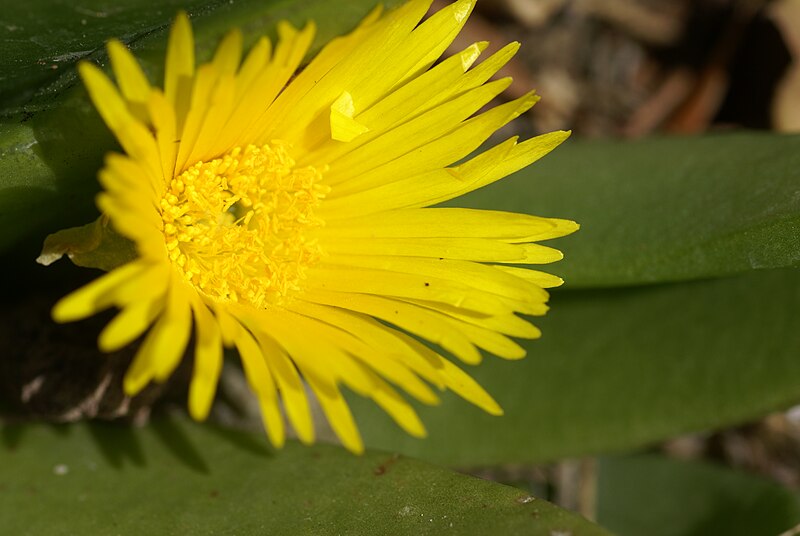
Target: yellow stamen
236, 226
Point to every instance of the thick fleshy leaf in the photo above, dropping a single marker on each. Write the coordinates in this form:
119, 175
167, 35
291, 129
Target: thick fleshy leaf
38, 63
667, 209
52, 141
622, 368
656, 496
182, 478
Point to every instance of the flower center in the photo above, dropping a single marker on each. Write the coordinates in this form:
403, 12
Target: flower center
235, 226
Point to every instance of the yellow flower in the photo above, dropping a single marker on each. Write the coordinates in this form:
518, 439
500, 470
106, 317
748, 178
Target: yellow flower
284, 215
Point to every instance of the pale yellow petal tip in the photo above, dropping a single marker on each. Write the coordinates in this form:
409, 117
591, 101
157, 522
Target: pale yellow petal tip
89, 72
278, 440
201, 398
343, 126
105, 342
305, 435
355, 447
567, 227
273, 425
115, 47
491, 407
462, 9
416, 429
430, 399
63, 311
514, 355
132, 383
372, 17
288, 32
181, 22
181, 39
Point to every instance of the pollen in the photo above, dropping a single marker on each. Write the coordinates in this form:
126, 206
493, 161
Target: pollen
237, 226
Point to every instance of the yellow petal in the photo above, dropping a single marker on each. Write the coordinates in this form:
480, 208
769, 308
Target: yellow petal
442, 271
430, 39
338, 414
129, 324
398, 409
179, 68
413, 134
343, 126
542, 279
290, 386
207, 361
450, 222
229, 53
130, 77
404, 286
407, 100
261, 381
457, 380
164, 345
376, 335
94, 297
405, 316
382, 360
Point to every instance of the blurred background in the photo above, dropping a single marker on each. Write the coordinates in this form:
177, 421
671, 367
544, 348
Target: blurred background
630, 68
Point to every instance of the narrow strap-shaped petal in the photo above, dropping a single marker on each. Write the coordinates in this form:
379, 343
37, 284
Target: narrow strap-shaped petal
440, 152
132, 134
164, 345
445, 222
290, 51
542, 279
290, 385
469, 274
456, 379
254, 63
434, 35
472, 249
162, 115
189, 129
380, 360
376, 335
207, 146
397, 407
401, 285
129, 324
229, 53
93, 298
338, 414
131, 79
207, 360
405, 102
349, 70
405, 316
179, 68
507, 324
263, 384
413, 134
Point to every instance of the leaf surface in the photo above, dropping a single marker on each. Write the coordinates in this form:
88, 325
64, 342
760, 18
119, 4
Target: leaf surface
177, 477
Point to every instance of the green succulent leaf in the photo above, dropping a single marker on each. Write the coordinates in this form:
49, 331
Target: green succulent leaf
38, 63
668, 209
176, 477
657, 496
622, 368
